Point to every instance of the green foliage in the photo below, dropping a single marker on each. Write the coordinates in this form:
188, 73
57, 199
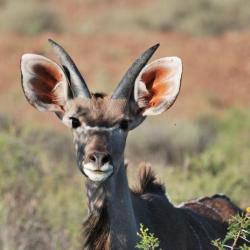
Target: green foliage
190, 16
43, 202
199, 17
28, 17
147, 240
41, 205
238, 230
174, 142
221, 167
204, 16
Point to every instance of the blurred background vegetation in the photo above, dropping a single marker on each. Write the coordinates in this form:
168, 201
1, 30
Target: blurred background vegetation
199, 147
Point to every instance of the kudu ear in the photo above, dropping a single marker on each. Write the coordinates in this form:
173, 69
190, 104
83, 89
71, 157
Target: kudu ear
158, 85
44, 83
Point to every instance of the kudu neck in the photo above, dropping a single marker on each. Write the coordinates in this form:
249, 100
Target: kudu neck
114, 196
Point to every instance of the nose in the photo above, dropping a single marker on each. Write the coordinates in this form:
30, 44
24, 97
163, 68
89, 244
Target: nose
99, 158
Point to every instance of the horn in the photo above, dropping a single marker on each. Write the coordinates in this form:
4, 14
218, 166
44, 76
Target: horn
77, 84
124, 88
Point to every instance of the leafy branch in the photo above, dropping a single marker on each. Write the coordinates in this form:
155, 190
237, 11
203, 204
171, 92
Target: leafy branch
147, 240
238, 229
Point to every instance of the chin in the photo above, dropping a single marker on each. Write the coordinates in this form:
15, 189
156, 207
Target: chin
98, 175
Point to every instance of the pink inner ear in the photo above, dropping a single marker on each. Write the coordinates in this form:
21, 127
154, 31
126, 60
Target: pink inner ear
46, 77
156, 84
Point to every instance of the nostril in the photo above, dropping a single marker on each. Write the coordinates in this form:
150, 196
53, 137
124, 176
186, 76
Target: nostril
93, 158
105, 159
99, 158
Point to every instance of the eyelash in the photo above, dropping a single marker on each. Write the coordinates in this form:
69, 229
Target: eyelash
75, 122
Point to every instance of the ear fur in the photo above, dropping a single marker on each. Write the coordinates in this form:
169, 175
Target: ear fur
44, 83
158, 85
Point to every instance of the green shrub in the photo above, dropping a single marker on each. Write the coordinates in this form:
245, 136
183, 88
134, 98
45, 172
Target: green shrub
190, 16
223, 167
238, 233
28, 17
147, 240
198, 16
41, 206
171, 143
42, 200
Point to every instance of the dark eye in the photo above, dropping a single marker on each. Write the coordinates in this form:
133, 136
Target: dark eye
75, 122
124, 124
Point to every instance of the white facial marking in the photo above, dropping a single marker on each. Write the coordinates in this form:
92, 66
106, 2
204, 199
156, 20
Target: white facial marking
97, 174
97, 128
68, 122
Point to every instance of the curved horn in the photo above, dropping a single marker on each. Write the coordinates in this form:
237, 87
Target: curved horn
77, 83
124, 88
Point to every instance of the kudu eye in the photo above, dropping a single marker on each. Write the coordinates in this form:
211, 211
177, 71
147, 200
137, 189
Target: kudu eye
124, 124
75, 122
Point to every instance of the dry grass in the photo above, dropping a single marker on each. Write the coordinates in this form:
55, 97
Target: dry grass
43, 202
28, 17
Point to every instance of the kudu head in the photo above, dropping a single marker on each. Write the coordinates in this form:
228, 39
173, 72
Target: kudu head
100, 123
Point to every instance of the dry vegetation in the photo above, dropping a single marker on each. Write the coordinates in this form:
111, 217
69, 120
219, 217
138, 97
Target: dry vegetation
42, 192
201, 148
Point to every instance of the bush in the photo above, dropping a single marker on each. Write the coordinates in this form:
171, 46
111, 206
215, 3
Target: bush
29, 17
171, 144
223, 167
209, 17
41, 206
238, 233
43, 203
147, 240
201, 16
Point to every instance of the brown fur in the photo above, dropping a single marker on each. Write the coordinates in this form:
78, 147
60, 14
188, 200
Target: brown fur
115, 211
200, 220
100, 110
218, 207
97, 230
223, 206
148, 182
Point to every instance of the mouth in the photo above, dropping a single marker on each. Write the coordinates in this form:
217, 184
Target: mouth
98, 175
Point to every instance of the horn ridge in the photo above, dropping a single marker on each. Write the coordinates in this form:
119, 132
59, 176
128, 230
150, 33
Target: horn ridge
77, 83
125, 86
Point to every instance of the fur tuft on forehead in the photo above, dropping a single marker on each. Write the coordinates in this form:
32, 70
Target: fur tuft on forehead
100, 110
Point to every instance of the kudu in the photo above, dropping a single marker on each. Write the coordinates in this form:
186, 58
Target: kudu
100, 125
